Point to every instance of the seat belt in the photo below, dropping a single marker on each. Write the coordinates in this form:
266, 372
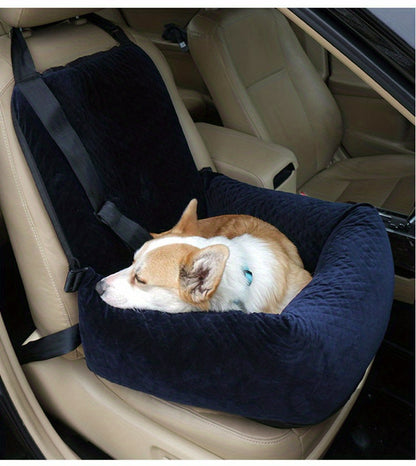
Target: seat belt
50, 346
115, 31
52, 116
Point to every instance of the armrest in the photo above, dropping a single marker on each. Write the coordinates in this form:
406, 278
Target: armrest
199, 105
250, 160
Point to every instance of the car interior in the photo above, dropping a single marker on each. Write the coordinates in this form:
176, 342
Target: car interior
258, 100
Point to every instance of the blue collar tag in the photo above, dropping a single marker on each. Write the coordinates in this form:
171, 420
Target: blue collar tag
249, 275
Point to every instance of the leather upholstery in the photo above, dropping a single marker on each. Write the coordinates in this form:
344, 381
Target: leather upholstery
129, 424
117, 420
246, 158
362, 180
266, 90
264, 84
31, 17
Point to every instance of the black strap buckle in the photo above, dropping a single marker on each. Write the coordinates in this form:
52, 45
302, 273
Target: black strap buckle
174, 33
74, 279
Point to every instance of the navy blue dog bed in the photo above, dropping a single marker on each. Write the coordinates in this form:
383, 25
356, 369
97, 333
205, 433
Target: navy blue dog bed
296, 368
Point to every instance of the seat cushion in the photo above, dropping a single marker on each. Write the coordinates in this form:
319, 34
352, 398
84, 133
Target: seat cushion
386, 181
113, 418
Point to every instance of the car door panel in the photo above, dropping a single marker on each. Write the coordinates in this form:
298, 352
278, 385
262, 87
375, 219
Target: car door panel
371, 125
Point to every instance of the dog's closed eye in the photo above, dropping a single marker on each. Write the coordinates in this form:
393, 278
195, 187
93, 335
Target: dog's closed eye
139, 280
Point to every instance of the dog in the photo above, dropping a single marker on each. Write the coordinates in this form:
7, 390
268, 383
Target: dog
229, 262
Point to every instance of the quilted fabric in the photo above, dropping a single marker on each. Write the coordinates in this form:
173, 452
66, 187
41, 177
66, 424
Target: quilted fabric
147, 176
295, 368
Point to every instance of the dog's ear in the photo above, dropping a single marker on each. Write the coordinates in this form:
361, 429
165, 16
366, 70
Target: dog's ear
201, 273
188, 223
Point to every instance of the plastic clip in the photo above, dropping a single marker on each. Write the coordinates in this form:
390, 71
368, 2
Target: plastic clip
74, 279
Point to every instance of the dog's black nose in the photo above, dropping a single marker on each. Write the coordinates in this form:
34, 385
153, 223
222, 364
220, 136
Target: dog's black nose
100, 287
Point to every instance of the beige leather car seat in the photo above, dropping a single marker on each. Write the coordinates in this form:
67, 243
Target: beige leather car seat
122, 422
263, 84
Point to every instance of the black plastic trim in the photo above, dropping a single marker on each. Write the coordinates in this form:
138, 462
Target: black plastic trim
391, 46
283, 175
10, 416
345, 29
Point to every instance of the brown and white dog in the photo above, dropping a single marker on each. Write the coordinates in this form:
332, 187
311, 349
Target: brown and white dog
227, 262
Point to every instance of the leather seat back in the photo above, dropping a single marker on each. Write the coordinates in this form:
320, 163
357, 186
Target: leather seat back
263, 83
42, 262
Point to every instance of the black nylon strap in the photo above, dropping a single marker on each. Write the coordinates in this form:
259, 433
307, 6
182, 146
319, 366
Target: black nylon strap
50, 113
22, 62
50, 346
52, 116
115, 31
129, 231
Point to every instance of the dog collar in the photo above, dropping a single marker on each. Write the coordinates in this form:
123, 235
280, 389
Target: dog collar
249, 275
240, 305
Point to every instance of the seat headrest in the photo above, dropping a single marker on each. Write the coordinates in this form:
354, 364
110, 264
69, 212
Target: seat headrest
30, 17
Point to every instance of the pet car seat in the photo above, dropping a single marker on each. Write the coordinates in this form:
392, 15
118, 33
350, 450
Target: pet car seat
299, 370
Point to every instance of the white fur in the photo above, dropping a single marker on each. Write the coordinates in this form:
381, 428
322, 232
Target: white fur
246, 251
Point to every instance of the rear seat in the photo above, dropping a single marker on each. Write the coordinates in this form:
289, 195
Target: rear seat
122, 422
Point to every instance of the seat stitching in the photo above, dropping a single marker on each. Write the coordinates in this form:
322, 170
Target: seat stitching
355, 168
226, 51
294, 83
242, 16
252, 439
273, 440
29, 216
241, 101
225, 57
8, 84
270, 76
20, 17
300, 439
386, 196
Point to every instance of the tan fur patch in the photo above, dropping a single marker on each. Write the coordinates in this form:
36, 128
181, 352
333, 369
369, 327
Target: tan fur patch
161, 265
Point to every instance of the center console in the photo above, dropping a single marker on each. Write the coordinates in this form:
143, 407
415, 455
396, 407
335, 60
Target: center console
249, 159
401, 231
